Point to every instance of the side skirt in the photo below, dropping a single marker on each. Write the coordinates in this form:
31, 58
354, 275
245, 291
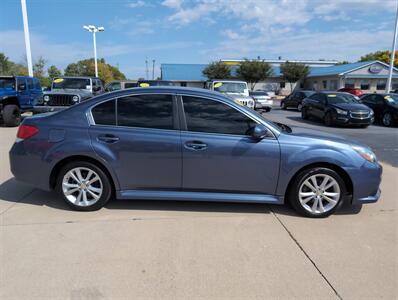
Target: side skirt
198, 196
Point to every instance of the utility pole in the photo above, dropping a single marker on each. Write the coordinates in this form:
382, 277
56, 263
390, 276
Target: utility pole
153, 69
93, 29
27, 38
389, 81
146, 68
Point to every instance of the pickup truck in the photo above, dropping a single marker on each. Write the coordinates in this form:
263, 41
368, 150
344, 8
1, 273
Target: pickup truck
17, 95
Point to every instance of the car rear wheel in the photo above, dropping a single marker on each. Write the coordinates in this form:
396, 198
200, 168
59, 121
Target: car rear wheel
11, 115
304, 114
299, 107
84, 186
328, 119
387, 119
317, 192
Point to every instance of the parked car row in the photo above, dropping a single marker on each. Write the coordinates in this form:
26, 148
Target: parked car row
345, 107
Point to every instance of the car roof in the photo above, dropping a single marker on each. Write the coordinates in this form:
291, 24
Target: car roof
78, 77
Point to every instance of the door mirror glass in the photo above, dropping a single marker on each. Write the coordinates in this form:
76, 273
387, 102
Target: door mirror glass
259, 131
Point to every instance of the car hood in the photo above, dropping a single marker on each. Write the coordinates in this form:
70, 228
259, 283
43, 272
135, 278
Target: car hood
82, 93
324, 136
351, 106
7, 92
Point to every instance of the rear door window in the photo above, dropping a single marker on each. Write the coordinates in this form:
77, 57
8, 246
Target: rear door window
146, 111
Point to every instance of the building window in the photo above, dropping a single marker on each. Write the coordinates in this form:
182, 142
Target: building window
381, 84
183, 83
333, 85
324, 84
349, 84
282, 85
365, 84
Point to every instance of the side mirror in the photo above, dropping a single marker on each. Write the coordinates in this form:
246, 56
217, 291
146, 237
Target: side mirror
259, 132
21, 87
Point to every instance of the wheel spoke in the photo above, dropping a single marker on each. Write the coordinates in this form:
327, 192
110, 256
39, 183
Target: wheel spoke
320, 204
333, 195
94, 189
79, 175
85, 202
95, 196
89, 174
71, 191
70, 185
79, 198
96, 178
309, 185
324, 182
314, 205
314, 182
330, 200
74, 176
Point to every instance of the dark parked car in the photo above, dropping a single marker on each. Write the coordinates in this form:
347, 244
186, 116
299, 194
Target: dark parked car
385, 107
353, 91
146, 83
68, 91
188, 144
295, 99
17, 95
336, 108
120, 85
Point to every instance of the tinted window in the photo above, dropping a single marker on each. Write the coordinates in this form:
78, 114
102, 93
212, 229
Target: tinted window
128, 85
204, 115
341, 98
316, 97
37, 84
30, 83
104, 113
148, 111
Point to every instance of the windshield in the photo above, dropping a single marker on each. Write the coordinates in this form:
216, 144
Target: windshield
7, 83
341, 98
71, 83
230, 87
392, 98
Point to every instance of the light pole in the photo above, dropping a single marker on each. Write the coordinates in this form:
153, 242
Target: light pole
153, 69
388, 86
94, 29
27, 38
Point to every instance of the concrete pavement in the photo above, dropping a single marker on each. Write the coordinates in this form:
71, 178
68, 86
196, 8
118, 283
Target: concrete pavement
189, 250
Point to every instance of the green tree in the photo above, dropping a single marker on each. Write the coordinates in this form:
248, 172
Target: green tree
8, 67
217, 70
293, 72
254, 71
39, 71
86, 67
383, 56
53, 72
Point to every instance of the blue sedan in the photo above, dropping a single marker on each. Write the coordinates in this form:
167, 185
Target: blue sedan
173, 143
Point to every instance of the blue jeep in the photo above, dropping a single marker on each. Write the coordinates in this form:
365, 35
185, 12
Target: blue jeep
17, 95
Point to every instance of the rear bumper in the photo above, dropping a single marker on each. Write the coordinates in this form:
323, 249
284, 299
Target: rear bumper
44, 108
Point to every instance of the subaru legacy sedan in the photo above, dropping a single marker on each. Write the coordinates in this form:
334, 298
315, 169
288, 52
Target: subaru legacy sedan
173, 143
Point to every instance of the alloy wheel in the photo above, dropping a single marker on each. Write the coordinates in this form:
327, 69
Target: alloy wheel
82, 186
319, 193
387, 119
299, 107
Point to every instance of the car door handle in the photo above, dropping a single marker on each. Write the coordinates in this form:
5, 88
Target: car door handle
195, 145
108, 138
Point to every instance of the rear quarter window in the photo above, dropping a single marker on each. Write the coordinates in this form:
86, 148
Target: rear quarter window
105, 113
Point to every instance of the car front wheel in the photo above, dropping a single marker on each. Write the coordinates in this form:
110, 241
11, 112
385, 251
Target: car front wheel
317, 192
84, 186
299, 107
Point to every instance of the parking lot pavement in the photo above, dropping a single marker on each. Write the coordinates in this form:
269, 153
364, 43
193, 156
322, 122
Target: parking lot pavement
185, 250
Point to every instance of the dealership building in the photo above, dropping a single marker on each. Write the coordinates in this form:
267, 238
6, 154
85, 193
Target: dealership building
369, 76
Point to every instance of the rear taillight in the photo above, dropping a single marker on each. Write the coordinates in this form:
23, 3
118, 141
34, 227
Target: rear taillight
25, 132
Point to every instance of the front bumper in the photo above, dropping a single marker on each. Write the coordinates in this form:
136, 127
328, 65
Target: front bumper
46, 108
366, 183
348, 120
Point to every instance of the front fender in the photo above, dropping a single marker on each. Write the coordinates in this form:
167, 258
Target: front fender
296, 156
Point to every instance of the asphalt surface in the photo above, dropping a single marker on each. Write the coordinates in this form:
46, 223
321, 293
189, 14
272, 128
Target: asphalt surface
185, 250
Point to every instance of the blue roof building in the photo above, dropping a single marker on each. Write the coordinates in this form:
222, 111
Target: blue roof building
369, 76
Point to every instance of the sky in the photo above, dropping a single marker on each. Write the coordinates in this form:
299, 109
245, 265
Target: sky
196, 31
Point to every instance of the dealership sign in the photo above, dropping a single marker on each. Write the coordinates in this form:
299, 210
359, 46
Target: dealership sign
375, 69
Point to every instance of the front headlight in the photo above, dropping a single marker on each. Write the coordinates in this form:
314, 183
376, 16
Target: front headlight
341, 112
371, 112
75, 98
365, 153
46, 98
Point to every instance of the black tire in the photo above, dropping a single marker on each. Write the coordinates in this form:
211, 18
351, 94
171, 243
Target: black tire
387, 119
268, 109
106, 185
328, 119
283, 105
299, 107
304, 114
11, 115
293, 193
